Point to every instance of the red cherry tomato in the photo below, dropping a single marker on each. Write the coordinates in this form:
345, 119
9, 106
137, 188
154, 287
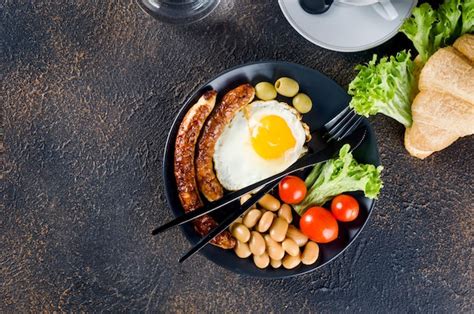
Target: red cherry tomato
319, 225
292, 190
345, 208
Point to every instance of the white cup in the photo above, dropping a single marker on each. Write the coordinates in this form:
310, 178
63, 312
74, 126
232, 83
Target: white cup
384, 8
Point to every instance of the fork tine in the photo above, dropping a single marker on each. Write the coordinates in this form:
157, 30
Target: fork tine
340, 116
351, 128
343, 129
337, 123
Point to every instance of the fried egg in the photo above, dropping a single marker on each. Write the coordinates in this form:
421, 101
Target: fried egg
263, 139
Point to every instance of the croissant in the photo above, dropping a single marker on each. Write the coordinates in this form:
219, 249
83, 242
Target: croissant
443, 110
465, 45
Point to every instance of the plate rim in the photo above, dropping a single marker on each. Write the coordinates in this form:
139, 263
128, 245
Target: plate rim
185, 106
328, 46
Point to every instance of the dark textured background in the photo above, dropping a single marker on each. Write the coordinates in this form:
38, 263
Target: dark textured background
89, 91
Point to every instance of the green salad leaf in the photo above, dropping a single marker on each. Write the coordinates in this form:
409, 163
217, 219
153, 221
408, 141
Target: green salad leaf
386, 87
467, 17
446, 28
418, 29
340, 175
431, 29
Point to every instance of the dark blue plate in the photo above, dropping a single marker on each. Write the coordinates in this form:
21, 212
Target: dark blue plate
328, 99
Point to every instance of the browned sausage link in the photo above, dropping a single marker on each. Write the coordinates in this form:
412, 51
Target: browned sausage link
205, 224
232, 102
186, 139
188, 193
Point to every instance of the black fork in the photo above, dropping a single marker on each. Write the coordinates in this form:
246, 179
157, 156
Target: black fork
323, 147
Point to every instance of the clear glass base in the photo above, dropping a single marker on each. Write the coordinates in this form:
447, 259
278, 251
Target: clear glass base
178, 11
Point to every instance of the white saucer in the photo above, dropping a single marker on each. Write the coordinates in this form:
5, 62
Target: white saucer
346, 28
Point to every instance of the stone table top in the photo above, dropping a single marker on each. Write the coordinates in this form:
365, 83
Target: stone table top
89, 91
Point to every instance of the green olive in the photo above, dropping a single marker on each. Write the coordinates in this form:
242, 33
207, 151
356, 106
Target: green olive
302, 103
265, 91
287, 87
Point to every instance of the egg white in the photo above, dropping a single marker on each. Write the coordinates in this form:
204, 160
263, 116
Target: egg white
236, 163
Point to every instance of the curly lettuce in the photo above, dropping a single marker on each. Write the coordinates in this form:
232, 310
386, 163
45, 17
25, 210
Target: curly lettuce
418, 29
386, 87
446, 28
340, 175
467, 16
431, 29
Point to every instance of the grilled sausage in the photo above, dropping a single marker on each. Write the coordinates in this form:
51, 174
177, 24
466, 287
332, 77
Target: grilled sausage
184, 170
204, 224
232, 102
186, 139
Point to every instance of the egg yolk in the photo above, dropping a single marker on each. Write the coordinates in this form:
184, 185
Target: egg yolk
272, 137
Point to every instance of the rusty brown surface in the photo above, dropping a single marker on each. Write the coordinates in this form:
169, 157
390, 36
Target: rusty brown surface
89, 90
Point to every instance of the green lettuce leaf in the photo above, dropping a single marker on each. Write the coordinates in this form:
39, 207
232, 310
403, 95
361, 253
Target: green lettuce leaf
431, 29
340, 175
446, 29
467, 16
418, 29
387, 87
313, 175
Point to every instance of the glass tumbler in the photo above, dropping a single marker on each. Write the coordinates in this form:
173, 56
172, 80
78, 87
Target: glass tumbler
178, 11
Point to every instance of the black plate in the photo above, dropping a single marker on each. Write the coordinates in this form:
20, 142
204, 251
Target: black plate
328, 99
